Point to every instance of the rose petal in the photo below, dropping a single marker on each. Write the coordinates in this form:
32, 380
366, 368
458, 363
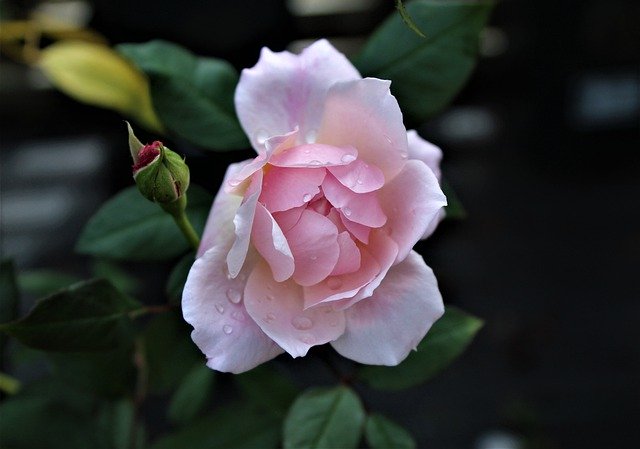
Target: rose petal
361, 232
314, 244
410, 215
278, 310
383, 329
286, 188
283, 90
243, 222
363, 208
268, 239
358, 176
212, 304
424, 151
363, 113
287, 219
315, 155
349, 258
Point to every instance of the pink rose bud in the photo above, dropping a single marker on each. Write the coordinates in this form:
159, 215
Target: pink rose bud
311, 241
160, 174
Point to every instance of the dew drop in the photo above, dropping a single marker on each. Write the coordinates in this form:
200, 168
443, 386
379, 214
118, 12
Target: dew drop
314, 257
261, 136
237, 315
359, 181
234, 296
227, 329
302, 323
334, 283
346, 211
306, 198
269, 318
404, 154
347, 158
315, 162
307, 338
234, 182
220, 308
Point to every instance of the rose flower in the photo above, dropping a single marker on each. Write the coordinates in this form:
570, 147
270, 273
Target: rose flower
311, 241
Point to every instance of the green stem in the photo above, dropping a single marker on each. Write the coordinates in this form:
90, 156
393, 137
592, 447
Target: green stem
177, 210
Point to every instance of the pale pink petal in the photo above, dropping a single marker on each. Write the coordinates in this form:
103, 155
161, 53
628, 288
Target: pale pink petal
314, 244
243, 222
411, 215
220, 217
383, 329
287, 219
424, 151
361, 232
222, 329
335, 288
363, 208
283, 90
314, 155
349, 259
364, 114
286, 188
358, 176
434, 224
278, 310
268, 239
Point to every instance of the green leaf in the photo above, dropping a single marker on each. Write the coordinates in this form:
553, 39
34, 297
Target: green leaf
177, 278
132, 228
192, 95
9, 384
324, 418
268, 389
193, 394
44, 282
426, 72
446, 340
454, 209
170, 353
88, 316
9, 296
381, 433
406, 18
122, 280
117, 421
236, 426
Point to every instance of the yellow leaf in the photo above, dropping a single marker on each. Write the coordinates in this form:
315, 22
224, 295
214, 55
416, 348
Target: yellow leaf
95, 74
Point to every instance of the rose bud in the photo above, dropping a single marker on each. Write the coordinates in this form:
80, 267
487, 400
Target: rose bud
161, 174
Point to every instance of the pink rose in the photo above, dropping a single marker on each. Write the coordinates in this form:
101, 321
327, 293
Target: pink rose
310, 242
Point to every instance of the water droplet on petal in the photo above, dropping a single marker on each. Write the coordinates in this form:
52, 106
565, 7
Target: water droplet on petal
220, 308
334, 283
269, 318
315, 162
404, 154
302, 323
237, 315
306, 198
308, 339
234, 295
359, 181
346, 211
314, 257
261, 136
234, 182
347, 158
227, 329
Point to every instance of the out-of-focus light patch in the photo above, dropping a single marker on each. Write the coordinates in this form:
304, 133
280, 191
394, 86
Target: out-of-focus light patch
498, 440
493, 42
604, 100
70, 13
326, 7
349, 46
31, 209
58, 158
467, 124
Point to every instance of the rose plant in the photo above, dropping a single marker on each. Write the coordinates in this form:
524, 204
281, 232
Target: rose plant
311, 241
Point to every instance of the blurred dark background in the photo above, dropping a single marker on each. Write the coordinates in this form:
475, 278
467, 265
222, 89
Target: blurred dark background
542, 147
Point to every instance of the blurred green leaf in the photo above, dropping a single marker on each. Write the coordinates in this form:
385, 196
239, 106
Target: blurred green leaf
117, 421
192, 95
9, 297
235, 426
454, 209
426, 72
382, 433
193, 394
44, 282
170, 353
9, 384
111, 271
88, 316
268, 389
95, 74
446, 340
406, 18
132, 228
324, 418
177, 278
